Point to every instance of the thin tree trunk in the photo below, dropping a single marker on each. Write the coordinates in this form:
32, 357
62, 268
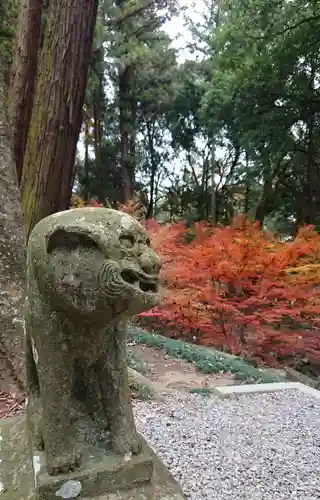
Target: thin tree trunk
260, 213
127, 164
12, 256
246, 199
56, 119
213, 189
263, 206
310, 208
86, 160
127, 134
23, 77
97, 132
214, 211
247, 190
150, 209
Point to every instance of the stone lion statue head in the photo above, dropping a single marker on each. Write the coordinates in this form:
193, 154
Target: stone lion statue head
94, 263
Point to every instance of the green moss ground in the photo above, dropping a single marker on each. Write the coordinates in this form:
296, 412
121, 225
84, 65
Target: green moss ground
205, 360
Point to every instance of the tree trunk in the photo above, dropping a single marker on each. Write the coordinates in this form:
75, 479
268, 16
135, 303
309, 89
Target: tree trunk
86, 160
213, 188
12, 255
310, 187
97, 132
150, 208
127, 134
260, 213
24, 76
57, 112
246, 203
263, 208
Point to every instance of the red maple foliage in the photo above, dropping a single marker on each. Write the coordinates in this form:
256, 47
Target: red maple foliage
240, 288
78, 202
95, 203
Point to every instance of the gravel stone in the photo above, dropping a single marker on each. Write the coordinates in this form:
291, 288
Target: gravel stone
249, 447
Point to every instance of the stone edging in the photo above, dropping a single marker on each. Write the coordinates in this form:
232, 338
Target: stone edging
233, 390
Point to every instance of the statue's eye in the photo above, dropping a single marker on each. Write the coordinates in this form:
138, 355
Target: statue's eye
127, 241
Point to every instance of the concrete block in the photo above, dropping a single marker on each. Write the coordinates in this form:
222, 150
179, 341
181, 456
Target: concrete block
234, 390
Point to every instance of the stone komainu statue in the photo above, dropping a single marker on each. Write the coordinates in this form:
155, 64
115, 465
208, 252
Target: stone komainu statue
88, 271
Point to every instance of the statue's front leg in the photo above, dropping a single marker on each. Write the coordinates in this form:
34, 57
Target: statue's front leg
115, 395
87, 391
55, 377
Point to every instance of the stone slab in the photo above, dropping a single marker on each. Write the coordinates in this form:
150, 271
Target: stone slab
296, 376
137, 379
228, 391
17, 474
101, 473
161, 487
306, 389
16, 471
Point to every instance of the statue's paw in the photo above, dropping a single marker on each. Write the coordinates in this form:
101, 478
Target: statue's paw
64, 462
123, 443
136, 445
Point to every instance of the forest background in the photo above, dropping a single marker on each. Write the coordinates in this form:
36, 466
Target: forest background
217, 152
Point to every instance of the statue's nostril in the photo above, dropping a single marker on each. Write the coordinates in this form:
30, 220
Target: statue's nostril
150, 264
157, 266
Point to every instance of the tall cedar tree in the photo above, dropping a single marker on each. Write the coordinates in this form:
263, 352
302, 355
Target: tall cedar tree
55, 124
127, 126
23, 79
12, 241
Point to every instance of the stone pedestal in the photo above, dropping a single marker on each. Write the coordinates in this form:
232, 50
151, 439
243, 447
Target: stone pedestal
101, 473
102, 477
16, 470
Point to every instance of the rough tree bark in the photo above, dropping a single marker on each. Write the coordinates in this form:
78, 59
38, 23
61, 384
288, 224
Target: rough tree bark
57, 111
23, 77
12, 255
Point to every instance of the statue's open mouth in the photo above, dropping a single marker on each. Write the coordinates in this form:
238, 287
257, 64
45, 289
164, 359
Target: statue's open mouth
145, 283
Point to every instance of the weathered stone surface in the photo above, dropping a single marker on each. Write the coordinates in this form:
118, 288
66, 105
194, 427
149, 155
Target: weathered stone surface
162, 487
16, 471
88, 271
12, 253
100, 472
136, 379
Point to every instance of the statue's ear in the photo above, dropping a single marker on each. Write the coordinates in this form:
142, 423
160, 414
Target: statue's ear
69, 238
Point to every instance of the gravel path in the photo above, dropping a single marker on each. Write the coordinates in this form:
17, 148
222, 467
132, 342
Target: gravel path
252, 447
